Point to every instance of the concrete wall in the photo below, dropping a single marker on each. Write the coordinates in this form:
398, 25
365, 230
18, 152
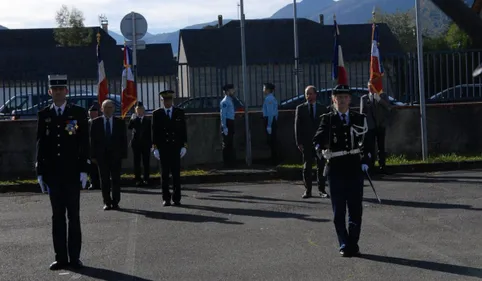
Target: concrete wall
451, 129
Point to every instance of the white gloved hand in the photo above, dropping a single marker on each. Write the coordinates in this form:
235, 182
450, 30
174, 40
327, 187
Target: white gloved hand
83, 179
326, 154
269, 130
364, 167
183, 151
225, 131
133, 116
41, 183
156, 154
376, 97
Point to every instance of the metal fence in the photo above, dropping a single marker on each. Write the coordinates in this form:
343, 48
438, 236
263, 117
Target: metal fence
442, 70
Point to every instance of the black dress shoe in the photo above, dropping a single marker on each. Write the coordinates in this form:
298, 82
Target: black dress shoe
76, 264
166, 203
58, 265
306, 195
115, 207
107, 207
177, 203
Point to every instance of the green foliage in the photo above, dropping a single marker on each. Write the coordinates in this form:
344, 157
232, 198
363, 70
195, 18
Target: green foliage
71, 30
402, 24
456, 38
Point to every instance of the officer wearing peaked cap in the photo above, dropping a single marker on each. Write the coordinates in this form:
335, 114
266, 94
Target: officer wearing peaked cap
62, 163
270, 115
339, 139
227, 111
169, 144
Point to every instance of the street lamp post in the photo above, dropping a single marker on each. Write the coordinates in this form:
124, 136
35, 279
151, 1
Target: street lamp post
295, 33
421, 83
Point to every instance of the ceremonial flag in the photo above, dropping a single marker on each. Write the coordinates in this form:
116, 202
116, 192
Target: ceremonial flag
339, 72
129, 92
102, 85
376, 68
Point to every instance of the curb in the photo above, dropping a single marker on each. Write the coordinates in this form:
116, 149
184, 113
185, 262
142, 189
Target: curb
288, 174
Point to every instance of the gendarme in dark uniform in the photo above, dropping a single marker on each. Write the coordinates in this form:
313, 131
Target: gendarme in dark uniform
169, 140
340, 138
62, 163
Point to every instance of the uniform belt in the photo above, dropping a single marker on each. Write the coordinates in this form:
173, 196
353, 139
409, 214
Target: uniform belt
345, 152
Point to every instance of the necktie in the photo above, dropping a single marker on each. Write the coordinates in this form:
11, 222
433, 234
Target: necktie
169, 113
312, 114
59, 111
107, 129
343, 118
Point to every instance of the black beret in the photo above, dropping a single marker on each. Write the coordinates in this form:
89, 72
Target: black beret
94, 107
139, 104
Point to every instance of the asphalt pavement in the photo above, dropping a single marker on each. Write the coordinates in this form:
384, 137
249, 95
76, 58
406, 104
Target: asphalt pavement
428, 227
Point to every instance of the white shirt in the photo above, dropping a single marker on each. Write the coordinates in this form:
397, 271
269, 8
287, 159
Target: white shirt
170, 111
111, 119
347, 116
62, 108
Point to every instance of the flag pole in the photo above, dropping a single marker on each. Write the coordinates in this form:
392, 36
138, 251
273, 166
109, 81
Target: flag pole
421, 83
98, 82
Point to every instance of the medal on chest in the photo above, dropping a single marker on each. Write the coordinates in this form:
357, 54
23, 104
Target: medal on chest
335, 140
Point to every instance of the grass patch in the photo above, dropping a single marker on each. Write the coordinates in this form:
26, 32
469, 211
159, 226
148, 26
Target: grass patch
394, 160
186, 173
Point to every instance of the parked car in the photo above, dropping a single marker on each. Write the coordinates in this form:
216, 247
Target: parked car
85, 100
208, 104
459, 93
324, 98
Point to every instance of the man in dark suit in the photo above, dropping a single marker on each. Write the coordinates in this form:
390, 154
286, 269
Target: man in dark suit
62, 156
169, 140
377, 108
307, 118
109, 148
141, 143
94, 169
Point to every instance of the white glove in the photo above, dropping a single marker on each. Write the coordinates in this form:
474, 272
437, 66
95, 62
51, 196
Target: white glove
225, 131
156, 154
364, 167
83, 179
41, 183
376, 97
326, 154
269, 130
183, 151
133, 116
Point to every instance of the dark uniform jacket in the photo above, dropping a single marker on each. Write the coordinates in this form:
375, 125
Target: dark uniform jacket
305, 127
141, 132
169, 133
334, 135
62, 144
118, 143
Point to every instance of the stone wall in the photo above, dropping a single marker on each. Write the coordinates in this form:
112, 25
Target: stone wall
449, 127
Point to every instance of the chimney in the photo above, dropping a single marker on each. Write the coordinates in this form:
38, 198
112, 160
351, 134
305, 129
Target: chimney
322, 19
104, 23
220, 21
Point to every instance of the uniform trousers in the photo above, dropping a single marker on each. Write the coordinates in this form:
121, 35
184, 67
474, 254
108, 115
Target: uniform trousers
144, 153
229, 154
347, 192
65, 198
171, 165
272, 139
375, 138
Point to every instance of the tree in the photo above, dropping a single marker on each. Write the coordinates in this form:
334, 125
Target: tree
71, 30
456, 38
402, 24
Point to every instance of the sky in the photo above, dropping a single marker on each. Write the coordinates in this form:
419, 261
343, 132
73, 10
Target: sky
161, 15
